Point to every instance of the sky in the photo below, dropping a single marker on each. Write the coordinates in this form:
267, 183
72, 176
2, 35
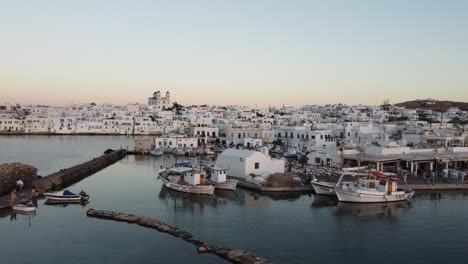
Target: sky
253, 52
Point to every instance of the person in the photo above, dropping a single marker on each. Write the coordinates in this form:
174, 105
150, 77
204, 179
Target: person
34, 191
13, 197
19, 184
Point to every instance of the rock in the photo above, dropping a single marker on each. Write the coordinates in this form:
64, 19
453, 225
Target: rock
247, 258
234, 255
120, 217
11, 172
202, 249
132, 219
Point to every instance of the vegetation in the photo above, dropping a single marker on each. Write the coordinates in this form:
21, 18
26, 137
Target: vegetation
303, 160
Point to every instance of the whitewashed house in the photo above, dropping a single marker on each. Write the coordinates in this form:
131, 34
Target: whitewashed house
241, 163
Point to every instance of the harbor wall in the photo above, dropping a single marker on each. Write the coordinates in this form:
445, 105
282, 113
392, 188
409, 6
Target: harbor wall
67, 177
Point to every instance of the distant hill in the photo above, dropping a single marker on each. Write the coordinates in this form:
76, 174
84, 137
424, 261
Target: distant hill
439, 106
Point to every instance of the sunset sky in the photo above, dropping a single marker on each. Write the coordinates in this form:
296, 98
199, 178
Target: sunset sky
233, 52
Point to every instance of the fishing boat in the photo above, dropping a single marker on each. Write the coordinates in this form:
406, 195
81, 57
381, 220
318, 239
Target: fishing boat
156, 152
219, 179
372, 189
323, 187
186, 179
328, 188
67, 196
29, 207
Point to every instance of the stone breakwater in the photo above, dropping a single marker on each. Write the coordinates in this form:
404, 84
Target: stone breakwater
231, 255
67, 177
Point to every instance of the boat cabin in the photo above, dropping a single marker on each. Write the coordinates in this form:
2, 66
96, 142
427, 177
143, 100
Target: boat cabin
187, 175
218, 175
380, 185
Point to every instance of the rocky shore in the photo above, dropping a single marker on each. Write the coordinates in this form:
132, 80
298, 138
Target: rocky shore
231, 255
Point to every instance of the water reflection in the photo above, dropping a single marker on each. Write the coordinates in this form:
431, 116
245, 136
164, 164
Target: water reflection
370, 210
57, 203
324, 201
185, 201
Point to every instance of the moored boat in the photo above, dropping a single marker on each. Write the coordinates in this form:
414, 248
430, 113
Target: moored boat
29, 207
156, 152
322, 187
67, 196
185, 179
372, 190
219, 179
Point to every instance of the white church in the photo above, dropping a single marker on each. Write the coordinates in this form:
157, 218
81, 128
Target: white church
160, 102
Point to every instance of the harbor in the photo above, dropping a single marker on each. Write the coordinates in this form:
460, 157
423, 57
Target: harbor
227, 219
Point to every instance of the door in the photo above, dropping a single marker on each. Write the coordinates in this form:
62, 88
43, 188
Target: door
389, 187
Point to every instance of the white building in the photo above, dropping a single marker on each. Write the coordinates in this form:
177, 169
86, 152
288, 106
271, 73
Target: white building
160, 102
241, 163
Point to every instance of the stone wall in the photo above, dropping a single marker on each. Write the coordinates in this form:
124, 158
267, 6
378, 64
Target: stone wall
67, 177
11, 172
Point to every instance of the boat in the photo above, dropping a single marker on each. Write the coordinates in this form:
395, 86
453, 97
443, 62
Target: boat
208, 151
67, 196
290, 153
192, 153
328, 188
29, 207
186, 179
180, 152
323, 187
156, 152
372, 189
219, 179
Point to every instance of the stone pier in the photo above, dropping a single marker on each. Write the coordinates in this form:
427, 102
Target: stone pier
67, 177
231, 255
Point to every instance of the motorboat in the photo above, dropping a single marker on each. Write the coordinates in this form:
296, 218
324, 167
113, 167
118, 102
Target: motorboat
29, 207
186, 179
156, 152
219, 179
67, 196
376, 188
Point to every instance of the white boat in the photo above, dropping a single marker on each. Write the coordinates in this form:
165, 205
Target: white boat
219, 179
67, 196
185, 179
323, 188
372, 190
30, 207
208, 151
328, 188
156, 152
290, 153
179, 152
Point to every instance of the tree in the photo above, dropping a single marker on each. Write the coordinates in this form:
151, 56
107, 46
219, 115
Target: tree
303, 160
386, 105
177, 107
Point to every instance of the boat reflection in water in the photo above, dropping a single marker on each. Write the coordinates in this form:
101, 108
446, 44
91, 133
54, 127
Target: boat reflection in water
60, 203
325, 201
371, 210
188, 201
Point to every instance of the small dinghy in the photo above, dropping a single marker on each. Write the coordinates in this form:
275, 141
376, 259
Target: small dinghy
67, 196
29, 207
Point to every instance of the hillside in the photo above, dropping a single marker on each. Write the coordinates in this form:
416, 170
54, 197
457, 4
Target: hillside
439, 106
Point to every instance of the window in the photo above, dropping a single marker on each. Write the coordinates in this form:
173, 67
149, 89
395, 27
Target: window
257, 165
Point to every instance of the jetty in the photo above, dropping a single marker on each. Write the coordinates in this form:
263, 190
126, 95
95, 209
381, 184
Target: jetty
231, 255
67, 177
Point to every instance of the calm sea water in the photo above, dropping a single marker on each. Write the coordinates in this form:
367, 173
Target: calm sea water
285, 229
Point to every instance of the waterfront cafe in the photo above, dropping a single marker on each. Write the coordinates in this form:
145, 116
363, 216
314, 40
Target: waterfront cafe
415, 163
